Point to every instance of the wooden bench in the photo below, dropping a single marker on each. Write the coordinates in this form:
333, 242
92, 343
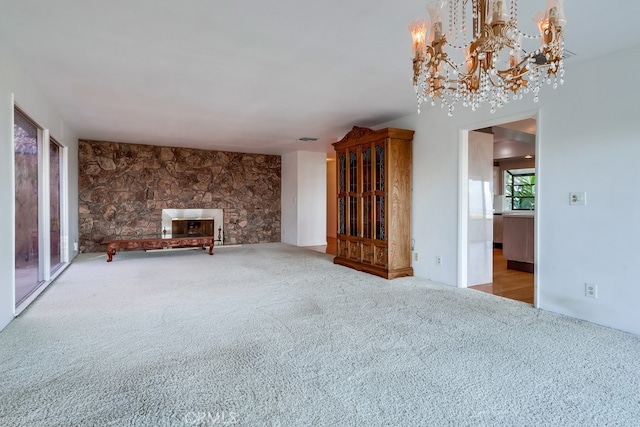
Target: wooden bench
164, 241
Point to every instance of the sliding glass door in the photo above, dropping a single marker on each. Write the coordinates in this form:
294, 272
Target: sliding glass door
27, 260
55, 206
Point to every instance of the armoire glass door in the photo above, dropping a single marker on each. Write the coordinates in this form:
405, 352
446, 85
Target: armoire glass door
342, 193
380, 209
367, 193
353, 193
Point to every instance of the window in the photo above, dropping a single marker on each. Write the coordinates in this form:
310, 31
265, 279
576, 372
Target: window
520, 189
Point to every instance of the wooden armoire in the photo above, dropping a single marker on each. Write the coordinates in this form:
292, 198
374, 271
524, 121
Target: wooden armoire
374, 201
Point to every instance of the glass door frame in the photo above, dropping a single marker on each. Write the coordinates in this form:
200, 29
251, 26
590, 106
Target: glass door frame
63, 253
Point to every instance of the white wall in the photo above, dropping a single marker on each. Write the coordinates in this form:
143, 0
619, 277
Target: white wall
588, 140
304, 192
15, 83
289, 198
312, 202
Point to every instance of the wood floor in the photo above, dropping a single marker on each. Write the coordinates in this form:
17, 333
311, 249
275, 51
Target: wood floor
511, 284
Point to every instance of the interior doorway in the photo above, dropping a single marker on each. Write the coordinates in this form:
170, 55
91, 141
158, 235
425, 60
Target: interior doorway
332, 209
501, 176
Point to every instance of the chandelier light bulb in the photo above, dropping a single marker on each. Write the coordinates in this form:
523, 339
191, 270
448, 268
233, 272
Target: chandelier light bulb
418, 29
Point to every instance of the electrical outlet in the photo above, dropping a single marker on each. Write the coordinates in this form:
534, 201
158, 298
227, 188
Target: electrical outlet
590, 290
578, 198
75, 246
438, 260
415, 256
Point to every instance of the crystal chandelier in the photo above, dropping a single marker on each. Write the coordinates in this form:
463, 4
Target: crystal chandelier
493, 66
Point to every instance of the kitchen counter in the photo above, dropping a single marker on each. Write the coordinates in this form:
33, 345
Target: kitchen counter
526, 214
518, 240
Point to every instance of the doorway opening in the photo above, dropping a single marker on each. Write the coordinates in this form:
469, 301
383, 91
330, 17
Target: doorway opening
501, 191
331, 247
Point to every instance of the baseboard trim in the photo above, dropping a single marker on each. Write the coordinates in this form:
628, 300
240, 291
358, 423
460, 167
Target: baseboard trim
520, 266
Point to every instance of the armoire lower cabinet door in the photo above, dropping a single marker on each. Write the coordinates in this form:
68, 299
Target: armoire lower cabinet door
381, 257
342, 248
367, 253
354, 251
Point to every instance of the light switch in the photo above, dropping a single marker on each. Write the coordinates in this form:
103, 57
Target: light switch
578, 198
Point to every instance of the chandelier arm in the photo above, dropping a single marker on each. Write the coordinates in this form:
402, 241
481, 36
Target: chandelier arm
469, 74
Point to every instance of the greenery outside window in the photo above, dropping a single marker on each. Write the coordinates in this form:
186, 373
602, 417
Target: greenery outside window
520, 189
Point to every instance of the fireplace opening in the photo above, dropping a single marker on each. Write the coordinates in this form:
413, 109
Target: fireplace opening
208, 219
188, 226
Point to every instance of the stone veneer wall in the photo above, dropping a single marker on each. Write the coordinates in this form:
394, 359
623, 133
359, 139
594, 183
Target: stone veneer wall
124, 187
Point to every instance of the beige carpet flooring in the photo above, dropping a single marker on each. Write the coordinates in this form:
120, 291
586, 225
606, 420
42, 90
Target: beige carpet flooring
274, 335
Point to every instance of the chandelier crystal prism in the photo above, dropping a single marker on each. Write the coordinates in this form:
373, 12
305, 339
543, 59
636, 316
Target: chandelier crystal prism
493, 67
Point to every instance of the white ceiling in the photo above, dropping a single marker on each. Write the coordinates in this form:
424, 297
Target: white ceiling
245, 75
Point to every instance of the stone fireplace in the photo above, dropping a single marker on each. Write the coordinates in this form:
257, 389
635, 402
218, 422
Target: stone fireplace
123, 189
194, 221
